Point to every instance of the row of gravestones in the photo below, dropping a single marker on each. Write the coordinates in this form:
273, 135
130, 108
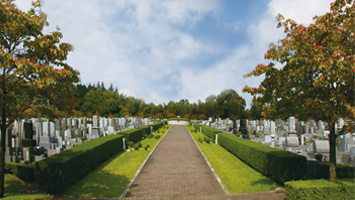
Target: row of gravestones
291, 126
297, 134
30, 140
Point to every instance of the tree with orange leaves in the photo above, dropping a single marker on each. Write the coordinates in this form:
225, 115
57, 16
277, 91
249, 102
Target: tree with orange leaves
318, 72
33, 74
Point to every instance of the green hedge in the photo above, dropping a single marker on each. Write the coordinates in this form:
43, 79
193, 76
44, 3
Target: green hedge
319, 189
23, 171
158, 125
58, 172
207, 130
281, 165
343, 171
178, 119
133, 135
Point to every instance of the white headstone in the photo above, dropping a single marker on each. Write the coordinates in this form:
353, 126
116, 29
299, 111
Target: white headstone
291, 125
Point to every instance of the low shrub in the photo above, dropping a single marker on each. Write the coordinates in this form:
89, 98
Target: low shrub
22, 171
343, 171
207, 140
200, 140
280, 165
157, 136
130, 144
178, 119
136, 146
147, 147
150, 136
319, 189
58, 172
319, 157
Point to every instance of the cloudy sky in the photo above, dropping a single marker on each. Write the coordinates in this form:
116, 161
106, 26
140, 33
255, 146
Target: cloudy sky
162, 50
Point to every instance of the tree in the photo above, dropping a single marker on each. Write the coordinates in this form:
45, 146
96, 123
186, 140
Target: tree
318, 70
34, 75
230, 103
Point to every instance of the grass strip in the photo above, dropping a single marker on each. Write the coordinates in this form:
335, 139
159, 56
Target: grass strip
15, 188
112, 177
236, 176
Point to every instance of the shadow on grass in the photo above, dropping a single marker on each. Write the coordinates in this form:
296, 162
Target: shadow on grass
105, 185
265, 181
17, 189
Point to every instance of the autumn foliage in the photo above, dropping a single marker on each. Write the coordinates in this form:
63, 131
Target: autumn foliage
34, 76
318, 70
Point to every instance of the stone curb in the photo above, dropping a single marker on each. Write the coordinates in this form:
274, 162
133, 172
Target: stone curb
123, 195
209, 165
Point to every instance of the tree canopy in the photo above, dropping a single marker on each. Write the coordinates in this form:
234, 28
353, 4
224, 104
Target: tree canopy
34, 76
318, 71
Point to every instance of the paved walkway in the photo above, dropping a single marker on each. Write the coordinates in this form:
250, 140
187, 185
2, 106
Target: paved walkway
177, 170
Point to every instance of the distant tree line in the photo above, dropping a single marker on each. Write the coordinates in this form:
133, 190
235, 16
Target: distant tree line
98, 100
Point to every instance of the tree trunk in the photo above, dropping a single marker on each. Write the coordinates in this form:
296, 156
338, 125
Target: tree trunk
2, 153
332, 154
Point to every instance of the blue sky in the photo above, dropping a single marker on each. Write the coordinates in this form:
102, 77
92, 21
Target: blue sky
167, 50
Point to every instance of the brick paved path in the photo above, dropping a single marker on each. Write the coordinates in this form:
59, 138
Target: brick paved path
175, 170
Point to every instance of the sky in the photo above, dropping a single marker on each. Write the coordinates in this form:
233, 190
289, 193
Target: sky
167, 50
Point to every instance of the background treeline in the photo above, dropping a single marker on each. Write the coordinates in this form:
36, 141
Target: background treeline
98, 100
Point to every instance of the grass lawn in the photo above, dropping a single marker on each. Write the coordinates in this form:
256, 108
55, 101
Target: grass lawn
15, 188
112, 177
236, 176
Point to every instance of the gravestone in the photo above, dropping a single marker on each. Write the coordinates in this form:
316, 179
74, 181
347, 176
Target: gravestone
243, 128
291, 125
321, 146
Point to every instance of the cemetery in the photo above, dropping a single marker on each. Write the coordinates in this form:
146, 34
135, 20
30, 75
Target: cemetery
63, 138
304, 138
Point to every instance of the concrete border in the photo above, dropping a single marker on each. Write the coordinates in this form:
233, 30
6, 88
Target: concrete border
123, 195
208, 163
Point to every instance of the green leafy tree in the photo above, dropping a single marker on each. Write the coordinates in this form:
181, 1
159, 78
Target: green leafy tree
33, 74
318, 70
230, 103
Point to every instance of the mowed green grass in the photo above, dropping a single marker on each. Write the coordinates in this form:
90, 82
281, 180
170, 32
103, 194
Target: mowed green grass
15, 188
112, 177
236, 176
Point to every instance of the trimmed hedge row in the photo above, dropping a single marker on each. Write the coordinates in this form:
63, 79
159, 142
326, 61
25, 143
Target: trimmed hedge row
319, 189
343, 171
23, 171
136, 135
178, 119
281, 165
133, 135
58, 172
209, 131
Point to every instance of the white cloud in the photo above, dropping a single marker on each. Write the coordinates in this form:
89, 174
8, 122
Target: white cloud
146, 50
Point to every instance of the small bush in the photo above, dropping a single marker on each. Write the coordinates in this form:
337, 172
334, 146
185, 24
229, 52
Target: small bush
139, 144
22, 171
200, 140
157, 136
150, 136
319, 189
158, 131
207, 140
147, 147
130, 144
319, 157
136, 146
